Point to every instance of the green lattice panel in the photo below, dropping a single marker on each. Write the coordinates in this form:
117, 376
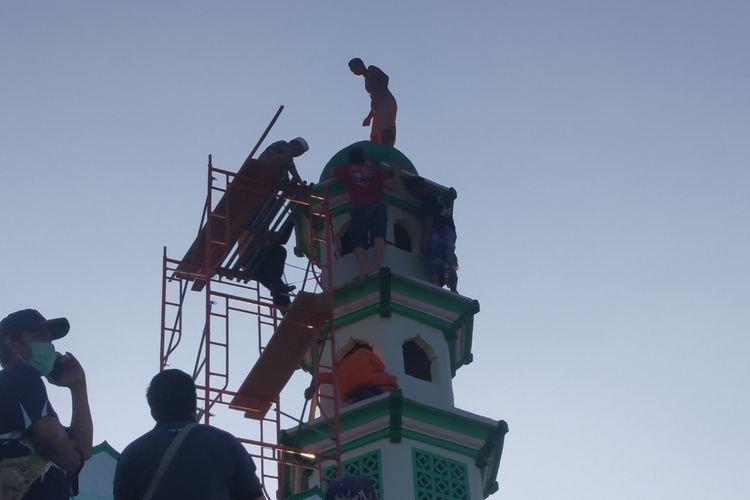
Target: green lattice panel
439, 478
367, 465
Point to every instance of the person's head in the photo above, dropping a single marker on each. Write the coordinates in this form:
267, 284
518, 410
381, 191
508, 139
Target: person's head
356, 155
299, 146
171, 396
26, 337
417, 187
357, 66
352, 487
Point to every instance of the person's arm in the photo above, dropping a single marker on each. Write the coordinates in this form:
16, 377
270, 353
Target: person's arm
368, 119
245, 483
376, 362
81, 428
295, 174
53, 443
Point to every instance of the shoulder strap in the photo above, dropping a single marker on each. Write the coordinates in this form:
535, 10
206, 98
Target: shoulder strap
166, 459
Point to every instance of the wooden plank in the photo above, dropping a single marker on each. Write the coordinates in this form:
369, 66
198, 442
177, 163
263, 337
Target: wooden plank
283, 354
253, 185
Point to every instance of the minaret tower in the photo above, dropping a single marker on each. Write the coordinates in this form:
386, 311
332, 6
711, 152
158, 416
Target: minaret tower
411, 442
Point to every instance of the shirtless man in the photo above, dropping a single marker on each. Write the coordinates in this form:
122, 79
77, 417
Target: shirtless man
383, 106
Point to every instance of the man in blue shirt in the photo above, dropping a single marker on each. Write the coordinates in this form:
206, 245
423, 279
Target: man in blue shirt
39, 458
209, 464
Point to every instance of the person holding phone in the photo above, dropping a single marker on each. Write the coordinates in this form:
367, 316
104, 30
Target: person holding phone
39, 458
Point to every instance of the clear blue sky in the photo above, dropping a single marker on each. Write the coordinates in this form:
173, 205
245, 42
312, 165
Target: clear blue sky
599, 149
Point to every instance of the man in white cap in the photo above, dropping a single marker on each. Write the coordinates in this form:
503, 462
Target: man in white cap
284, 152
39, 458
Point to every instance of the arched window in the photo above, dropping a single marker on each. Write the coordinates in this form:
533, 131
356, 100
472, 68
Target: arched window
401, 236
416, 361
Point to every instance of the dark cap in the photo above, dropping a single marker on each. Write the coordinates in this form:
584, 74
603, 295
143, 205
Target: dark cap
352, 487
31, 320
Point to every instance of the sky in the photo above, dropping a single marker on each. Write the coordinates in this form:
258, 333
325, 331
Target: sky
599, 150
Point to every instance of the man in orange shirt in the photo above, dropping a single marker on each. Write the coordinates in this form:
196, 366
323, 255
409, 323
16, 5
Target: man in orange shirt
383, 105
362, 375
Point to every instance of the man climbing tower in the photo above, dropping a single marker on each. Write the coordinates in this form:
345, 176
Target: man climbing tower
439, 240
364, 183
383, 106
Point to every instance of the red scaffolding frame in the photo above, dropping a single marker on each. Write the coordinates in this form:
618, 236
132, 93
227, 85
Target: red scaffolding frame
229, 292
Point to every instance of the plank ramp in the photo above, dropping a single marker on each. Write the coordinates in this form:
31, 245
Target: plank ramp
283, 354
244, 197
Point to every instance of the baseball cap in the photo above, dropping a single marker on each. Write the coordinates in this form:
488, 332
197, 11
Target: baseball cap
31, 320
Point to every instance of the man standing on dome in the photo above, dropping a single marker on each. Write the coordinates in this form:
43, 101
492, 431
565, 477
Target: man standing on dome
364, 183
383, 106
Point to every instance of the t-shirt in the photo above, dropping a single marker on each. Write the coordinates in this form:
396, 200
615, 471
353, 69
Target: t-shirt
23, 401
440, 210
363, 182
210, 464
278, 151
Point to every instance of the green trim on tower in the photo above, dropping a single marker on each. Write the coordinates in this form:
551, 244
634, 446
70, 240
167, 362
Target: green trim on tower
313, 432
105, 447
406, 419
374, 152
388, 293
385, 292
396, 405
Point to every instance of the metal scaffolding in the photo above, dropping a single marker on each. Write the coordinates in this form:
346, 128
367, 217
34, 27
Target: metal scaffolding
241, 210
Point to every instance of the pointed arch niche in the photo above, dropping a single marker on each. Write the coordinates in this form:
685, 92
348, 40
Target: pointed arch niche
419, 359
403, 236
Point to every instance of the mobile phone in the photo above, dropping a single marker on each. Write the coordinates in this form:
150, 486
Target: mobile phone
59, 366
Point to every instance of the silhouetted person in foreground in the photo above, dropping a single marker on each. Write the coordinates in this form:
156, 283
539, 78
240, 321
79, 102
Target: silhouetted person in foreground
39, 458
180, 459
383, 107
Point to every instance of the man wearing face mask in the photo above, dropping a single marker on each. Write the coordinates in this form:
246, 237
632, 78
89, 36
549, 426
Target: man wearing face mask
39, 458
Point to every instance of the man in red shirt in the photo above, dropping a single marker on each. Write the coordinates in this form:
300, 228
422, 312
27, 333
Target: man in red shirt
364, 183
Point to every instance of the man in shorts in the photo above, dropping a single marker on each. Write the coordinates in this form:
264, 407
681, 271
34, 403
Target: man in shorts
383, 107
364, 183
